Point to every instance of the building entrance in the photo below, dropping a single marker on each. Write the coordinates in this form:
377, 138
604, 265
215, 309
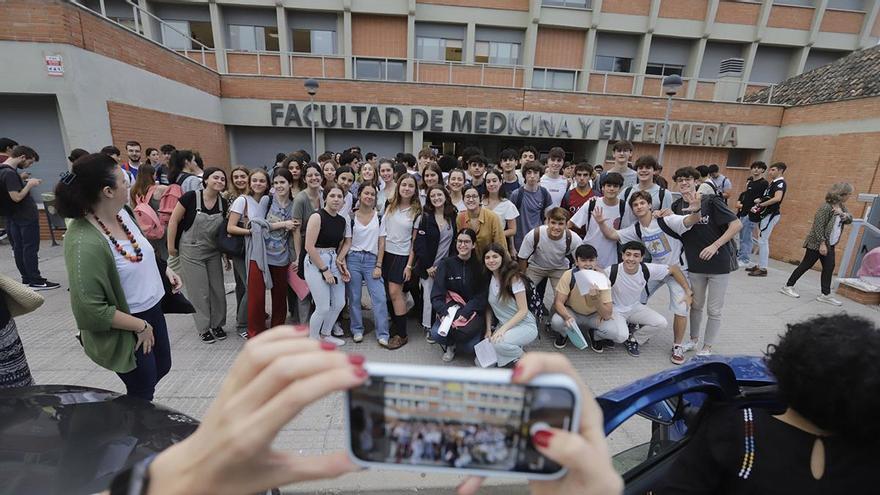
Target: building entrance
453, 144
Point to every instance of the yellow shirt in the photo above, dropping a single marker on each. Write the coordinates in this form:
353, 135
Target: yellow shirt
489, 229
583, 304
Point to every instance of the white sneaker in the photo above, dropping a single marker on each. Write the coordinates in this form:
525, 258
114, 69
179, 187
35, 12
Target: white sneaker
743, 264
337, 330
789, 291
333, 340
829, 300
449, 355
705, 351
358, 337
383, 342
689, 345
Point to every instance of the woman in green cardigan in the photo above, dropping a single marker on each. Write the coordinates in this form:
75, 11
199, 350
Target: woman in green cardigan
819, 244
116, 289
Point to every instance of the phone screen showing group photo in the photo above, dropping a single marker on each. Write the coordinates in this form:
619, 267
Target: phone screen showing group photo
439, 423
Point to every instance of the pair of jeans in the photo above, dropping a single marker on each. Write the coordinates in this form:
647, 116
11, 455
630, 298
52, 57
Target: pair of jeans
745, 240
25, 238
614, 329
149, 368
811, 256
329, 298
360, 266
709, 290
765, 228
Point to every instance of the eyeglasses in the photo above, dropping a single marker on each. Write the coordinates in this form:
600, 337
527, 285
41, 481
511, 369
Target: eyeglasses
463, 241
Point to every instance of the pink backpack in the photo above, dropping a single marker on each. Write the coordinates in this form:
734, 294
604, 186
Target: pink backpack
146, 216
169, 200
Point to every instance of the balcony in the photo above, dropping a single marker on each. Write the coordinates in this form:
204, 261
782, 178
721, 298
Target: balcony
506, 76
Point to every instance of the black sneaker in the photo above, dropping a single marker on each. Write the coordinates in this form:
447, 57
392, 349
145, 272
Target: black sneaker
596, 345
44, 285
219, 333
608, 343
632, 347
561, 341
208, 337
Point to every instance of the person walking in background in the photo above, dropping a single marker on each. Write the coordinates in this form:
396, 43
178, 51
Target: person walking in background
360, 257
17, 204
198, 215
434, 241
755, 187
769, 205
116, 288
146, 192
325, 232
246, 206
820, 242
509, 302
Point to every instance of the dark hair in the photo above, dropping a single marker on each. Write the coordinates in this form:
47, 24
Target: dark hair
323, 157
713, 168
167, 148
449, 210
110, 150
622, 145
210, 171
468, 152
530, 149
344, 169
501, 193
507, 154
6, 143
407, 159
426, 153
703, 171
76, 153
598, 166
198, 159
613, 179
132, 143
346, 158
478, 159
640, 195
532, 166
279, 157
147, 154
399, 170
25, 151
176, 163
331, 186
556, 153
586, 252
306, 157
559, 214
370, 155
283, 172
508, 272
92, 173
838, 389
142, 183
434, 168
363, 187
685, 172
647, 161
779, 166
634, 246
447, 163
583, 167
759, 164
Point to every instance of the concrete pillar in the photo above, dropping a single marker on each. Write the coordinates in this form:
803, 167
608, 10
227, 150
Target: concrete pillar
283, 38
346, 41
751, 51
818, 14
531, 42
597, 157
408, 143
695, 64
641, 62
868, 24
763, 15
218, 29
410, 41
417, 140
587, 62
709, 21
470, 43
320, 145
798, 61
150, 27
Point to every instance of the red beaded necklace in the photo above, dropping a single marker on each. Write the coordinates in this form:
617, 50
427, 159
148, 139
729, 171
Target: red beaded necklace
134, 258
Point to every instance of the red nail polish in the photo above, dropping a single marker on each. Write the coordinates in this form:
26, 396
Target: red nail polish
517, 370
328, 346
356, 359
360, 372
541, 438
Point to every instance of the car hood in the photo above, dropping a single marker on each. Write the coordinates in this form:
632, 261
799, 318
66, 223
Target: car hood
65, 439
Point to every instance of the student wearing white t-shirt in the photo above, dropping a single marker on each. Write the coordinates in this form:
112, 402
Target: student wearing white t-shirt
629, 280
552, 180
496, 200
507, 298
609, 205
545, 251
252, 204
662, 239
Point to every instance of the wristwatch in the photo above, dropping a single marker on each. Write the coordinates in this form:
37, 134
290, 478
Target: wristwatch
134, 480
322, 270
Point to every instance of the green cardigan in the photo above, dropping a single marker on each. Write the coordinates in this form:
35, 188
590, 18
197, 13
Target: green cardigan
95, 295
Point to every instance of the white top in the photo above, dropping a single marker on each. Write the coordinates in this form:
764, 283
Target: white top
253, 210
345, 211
365, 237
556, 187
506, 210
495, 287
551, 254
629, 217
606, 249
140, 281
627, 291
398, 229
459, 205
835, 231
664, 250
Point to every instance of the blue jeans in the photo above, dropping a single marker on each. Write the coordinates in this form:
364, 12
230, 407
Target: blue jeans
745, 240
766, 228
149, 368
25, 239
464, 338
360, 266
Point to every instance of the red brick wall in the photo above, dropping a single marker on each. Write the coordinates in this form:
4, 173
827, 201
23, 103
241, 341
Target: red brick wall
841, 21
684, 9
559, 48
737, 13
153, 129
791, 17
633, 7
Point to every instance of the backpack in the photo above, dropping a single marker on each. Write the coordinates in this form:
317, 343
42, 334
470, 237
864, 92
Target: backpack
147, 218
536, 232
666, 230
546, 200
535, 297
645, 273
170, 199
661, 195
713, 186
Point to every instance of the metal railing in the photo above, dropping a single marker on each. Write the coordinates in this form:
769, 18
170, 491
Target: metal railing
461, 69
859, 225
576, 77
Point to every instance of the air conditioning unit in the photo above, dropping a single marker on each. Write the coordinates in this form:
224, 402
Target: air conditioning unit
729, 79
732, 67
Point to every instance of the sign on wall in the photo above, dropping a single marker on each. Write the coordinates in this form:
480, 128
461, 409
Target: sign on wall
55, 65
497, 123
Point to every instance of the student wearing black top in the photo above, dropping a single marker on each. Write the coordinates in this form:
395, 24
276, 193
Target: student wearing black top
825, 442
755, 186
435, 240
325, 232
710, 257
769, 204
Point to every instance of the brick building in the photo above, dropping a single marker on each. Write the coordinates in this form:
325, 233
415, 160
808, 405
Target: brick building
226, 79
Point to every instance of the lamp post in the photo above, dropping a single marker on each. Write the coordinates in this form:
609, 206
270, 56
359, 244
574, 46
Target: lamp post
671, 84
311, 86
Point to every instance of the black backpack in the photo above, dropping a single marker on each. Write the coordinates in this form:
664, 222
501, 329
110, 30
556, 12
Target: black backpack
645, 273
666, 230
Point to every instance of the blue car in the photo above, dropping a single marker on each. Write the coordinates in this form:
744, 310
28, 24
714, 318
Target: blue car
658, 413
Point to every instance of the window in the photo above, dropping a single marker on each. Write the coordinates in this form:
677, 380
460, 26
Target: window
383, 70
574, 4
664, 69
496, 52
438, 49
314, 41
253, 38
553, 79
173, 34
609, 63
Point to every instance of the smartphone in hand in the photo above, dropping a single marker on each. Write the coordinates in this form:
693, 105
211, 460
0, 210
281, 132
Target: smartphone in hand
458, 420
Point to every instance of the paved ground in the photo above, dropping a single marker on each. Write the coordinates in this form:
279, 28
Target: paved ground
755, 313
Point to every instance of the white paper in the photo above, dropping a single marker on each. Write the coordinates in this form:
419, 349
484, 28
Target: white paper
485, 352
446, 324
587, 278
